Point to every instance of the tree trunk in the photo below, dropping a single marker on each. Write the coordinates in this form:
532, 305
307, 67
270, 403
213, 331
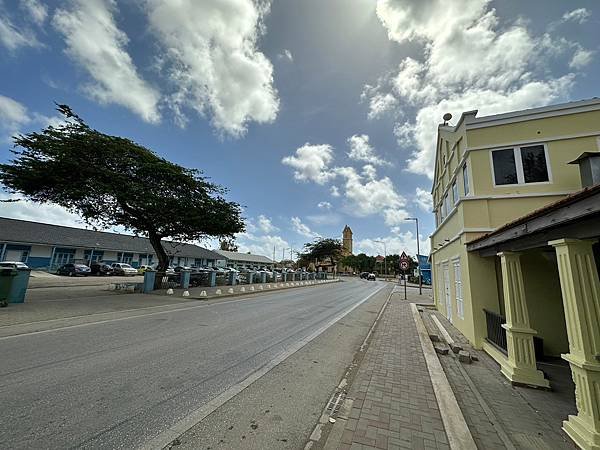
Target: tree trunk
163, 259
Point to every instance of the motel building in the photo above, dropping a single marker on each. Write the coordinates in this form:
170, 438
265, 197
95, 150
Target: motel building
515, 252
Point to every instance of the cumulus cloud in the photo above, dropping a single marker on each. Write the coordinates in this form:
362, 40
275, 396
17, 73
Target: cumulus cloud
95, 43
379, 103
311, 163
211, 57
45, 213
13, 115
579, 15
286, 54
362, 150
395, 244
36, 10
423, 200
581, 58
265, 225
302, 229
335, 191
498, 68
324, 205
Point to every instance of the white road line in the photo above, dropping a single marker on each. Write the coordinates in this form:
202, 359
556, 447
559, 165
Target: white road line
167, 436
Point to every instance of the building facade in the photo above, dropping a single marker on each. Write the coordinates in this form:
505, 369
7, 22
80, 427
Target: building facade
521, 302
238, 260
47, 247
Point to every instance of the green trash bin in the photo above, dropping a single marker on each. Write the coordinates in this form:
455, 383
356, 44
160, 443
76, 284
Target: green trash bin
19, 286
7, 276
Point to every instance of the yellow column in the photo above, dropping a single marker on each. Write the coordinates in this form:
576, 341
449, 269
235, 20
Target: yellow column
580, 289
521, 365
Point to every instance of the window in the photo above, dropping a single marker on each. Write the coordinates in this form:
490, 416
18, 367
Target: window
455, 192
466, 179
520, 165
445, 208
460, 308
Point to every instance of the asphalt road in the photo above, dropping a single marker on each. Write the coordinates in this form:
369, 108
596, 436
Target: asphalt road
120, 384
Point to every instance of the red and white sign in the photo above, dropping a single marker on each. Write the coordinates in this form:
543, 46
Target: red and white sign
404, 265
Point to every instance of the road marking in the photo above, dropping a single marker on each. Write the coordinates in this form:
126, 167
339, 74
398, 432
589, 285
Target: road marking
459, 435
169, 435
118, 319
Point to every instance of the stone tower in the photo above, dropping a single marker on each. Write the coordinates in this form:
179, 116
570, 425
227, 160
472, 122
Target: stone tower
347, 241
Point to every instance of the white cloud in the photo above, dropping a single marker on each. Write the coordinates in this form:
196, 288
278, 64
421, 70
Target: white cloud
13, 115
95, 42
324, 205
302, 229
423, 200
335, 191
579, 15
581, 58
36, 10
362, 150
311, 163
14, 37
395, 244
499, 68
265, 225
212, 59
262, 244
329, 219
286, 54
379, 104
45, 213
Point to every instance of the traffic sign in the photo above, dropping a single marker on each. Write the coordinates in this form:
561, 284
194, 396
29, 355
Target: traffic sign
404, 257
404, 265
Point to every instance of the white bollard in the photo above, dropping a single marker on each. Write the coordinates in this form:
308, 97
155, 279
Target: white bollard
186, 293
260, 288
242, 289
169, 291
230, 291
218, 292
287, 284
251, 288
203, 294
268, 286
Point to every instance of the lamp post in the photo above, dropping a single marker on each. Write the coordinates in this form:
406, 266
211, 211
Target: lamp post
418, 251
384, 257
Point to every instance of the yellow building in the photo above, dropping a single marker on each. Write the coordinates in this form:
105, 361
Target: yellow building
515, 253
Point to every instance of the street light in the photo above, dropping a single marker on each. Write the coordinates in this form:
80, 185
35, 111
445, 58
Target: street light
418, 251
384, 257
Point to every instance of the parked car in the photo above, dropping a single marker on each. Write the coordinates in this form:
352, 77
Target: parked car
143, 268
123, 269
101, 269
14, 264
371, 277
73, 270
180, 268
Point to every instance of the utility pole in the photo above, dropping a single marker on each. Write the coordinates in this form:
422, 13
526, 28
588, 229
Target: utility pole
418, 251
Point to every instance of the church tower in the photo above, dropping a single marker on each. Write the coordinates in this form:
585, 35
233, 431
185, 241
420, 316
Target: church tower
347, 241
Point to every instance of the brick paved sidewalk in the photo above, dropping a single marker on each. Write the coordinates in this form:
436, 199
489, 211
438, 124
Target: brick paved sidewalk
394, 405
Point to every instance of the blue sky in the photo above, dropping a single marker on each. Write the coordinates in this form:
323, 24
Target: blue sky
314, 114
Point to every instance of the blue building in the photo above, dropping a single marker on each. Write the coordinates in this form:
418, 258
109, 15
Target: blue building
45, 246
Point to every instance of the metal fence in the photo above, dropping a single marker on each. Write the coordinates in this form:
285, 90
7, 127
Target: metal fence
495, 333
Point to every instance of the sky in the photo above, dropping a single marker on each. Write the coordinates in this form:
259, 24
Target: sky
314, 114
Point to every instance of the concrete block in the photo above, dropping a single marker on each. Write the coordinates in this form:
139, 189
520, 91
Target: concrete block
251, 288
218, 292
169, 291
186, 293
242, 289
203, 294
464, 357
441, 350
230, 291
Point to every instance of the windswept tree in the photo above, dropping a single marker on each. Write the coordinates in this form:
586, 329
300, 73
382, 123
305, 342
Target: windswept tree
322, 249
228, 244
113, 181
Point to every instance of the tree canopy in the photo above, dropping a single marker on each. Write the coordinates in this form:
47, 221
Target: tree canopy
113, 181
321, 249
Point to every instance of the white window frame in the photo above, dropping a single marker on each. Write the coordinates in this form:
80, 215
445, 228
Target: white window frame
458, 291
465, 175
519, 165
454, 188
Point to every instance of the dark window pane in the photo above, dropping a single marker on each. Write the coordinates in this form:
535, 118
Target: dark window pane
534, 164
505, 170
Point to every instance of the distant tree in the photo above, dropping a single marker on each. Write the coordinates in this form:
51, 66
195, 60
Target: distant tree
322, 249
112, 181
228, 244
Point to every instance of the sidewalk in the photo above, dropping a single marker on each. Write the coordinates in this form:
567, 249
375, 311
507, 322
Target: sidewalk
393, 401
403, 397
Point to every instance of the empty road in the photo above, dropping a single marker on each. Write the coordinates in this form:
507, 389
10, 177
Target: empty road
121, 383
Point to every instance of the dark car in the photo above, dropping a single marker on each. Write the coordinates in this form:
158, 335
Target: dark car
101, 269
74, 270
364, 275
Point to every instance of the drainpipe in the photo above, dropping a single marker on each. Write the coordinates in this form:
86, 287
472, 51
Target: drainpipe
3, 252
